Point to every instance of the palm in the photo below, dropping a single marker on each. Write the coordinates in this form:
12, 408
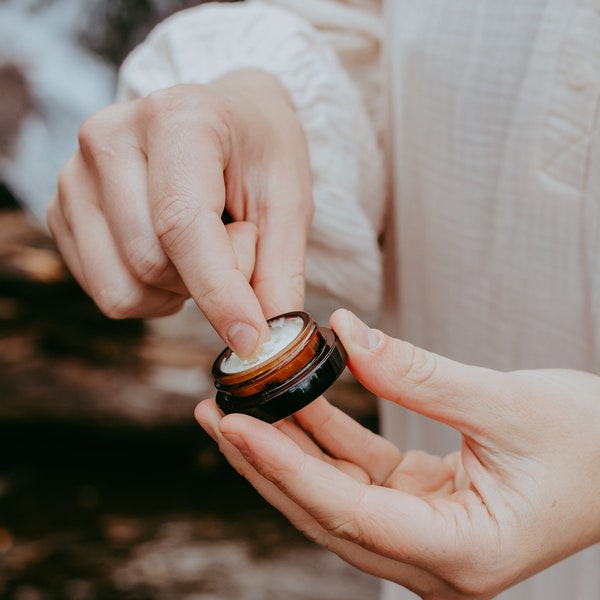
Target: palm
433, 490
437, 485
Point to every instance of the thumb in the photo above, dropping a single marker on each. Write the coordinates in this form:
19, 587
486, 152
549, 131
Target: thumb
463, 396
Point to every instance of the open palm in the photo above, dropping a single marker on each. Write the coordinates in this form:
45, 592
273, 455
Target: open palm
511, 502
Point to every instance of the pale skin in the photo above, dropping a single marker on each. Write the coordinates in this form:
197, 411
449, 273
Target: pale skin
523, 492
137, 217
137, 214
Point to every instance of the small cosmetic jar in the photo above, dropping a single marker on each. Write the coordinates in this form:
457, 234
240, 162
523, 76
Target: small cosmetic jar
295, 367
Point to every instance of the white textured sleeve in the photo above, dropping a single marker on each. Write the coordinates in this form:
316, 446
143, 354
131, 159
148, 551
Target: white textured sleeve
201, 44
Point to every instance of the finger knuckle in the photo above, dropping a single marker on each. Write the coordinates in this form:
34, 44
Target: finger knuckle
118, 303
66, 193
346, 529
212, 297
297, 284
469, 584
174, 216
346, 524
94, 137
160, 104
171, 102
147, 261
188, 108
414, 364
293, 285
169, 307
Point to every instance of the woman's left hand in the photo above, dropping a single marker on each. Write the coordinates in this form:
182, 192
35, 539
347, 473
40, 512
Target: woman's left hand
521, 494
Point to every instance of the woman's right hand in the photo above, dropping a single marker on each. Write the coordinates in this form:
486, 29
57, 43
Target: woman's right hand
137, 215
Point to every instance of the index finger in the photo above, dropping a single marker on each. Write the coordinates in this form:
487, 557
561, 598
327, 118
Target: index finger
187, 198
209, 417
389, 522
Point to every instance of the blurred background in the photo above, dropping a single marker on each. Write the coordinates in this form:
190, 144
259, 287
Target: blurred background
108, 487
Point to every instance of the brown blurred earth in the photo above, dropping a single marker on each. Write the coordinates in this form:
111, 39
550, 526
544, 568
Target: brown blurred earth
108, 488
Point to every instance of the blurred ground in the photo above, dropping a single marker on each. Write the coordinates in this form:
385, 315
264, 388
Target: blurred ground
108, 488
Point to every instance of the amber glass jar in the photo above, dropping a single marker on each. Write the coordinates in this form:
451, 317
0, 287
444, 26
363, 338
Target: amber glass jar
286, 381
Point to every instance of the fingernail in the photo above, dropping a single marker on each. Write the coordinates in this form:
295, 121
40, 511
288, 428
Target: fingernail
242, 339
362, 334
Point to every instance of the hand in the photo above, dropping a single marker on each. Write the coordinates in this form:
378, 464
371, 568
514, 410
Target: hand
137, 215
522, 493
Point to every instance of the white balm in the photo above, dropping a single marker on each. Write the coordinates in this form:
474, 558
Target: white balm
283, 333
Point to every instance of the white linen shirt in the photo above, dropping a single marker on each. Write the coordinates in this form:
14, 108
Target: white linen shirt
483, 120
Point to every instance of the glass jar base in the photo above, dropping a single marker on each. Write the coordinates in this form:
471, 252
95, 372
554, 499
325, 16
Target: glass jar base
281, 400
